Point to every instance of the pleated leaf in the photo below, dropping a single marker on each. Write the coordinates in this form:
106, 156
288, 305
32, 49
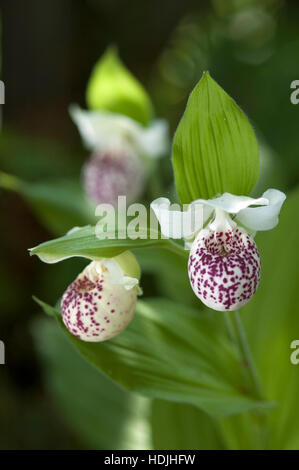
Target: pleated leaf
172, 352
215, 149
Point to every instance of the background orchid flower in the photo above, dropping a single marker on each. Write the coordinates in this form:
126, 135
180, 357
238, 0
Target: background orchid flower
104, 130
224, 262
122, 150
112, 173
120, 131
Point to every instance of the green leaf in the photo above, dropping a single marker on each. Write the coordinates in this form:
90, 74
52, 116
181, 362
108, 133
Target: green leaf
35, 159
101, 414
83, 242
183, 427
171, 275
59, 204
112, 87
172, 352
215, 149
272, 323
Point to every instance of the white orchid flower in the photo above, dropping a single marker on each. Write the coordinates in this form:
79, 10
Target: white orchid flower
100, 303
104, 130
224, 262
122, 153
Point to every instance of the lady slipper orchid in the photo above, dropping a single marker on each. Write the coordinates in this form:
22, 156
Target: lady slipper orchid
100, 303
123, 151
106, 175
101, 130
224, 262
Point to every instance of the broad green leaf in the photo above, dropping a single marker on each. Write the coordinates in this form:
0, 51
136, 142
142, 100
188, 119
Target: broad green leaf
214, 149
182, 427
272, 323
170, 272
173, 352
112, 87
83, 242
59, 204
243, 431
101, 414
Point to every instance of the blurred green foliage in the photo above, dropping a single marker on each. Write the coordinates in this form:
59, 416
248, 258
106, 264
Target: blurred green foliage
112, 87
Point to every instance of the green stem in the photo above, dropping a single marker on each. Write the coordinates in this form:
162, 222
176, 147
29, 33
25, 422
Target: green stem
238, 335
237, 331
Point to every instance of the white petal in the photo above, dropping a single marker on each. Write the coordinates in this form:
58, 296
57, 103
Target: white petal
129, 282
117, 276
177, 223
222, 221
232, 203
207, 209
154, 139
103, 130
263, 218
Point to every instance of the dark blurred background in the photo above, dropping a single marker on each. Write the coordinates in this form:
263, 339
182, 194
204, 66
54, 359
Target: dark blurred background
48, 49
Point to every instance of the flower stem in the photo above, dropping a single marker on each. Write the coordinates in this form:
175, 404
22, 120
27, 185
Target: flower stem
238, 336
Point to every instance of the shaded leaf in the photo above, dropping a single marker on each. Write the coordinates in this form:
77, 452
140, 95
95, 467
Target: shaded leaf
101, 413
36, 159
59, 204
183, 427
172, 352
171, 274
272, 323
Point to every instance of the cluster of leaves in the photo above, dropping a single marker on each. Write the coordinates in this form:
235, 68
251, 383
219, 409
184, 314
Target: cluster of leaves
183, 361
